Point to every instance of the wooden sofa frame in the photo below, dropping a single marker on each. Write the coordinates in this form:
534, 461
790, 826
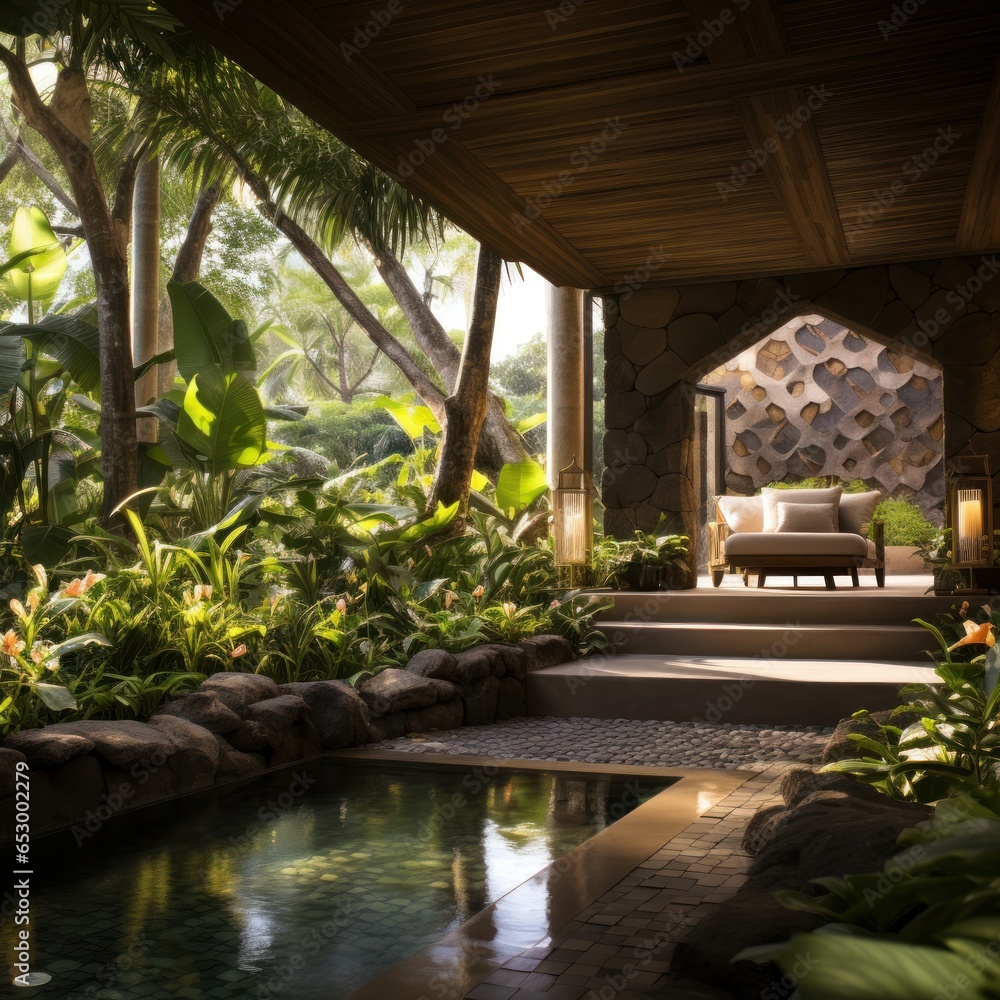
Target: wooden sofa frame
795, 566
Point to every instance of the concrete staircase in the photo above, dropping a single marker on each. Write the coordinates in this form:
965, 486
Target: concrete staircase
767, 657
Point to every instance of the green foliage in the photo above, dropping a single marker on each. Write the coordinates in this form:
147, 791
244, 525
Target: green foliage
822, 482
905, 523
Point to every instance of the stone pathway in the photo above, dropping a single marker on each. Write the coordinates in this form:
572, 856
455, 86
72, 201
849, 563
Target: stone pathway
620, 946
623, 741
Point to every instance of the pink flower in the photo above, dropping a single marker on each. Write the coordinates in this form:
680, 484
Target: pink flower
240, 650
18, 608
479, 591
341, 604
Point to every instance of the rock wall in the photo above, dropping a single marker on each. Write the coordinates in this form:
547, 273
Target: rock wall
237, 725
661, 342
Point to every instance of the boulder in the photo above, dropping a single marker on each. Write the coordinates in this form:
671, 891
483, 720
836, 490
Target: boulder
9, 758
514, 659
239, 690
444, 715
233, 764
338, 711
748, 919
188, 736
480, 702
281, 728
387, 727
432, 663
546, 651
475, 664
202, 708
512, 701
443, 689
394, 690
760, 828
44, 748
802, 781
65, 795
830, 833
122, 744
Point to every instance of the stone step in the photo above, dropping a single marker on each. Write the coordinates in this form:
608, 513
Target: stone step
748, 606
892, 643
720, 689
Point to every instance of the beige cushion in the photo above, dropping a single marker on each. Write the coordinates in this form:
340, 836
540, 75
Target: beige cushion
856, 510
806, 517
742, 513
796, 543
772, 497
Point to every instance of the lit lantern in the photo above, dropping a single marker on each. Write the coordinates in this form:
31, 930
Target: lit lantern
970, 505
572, 517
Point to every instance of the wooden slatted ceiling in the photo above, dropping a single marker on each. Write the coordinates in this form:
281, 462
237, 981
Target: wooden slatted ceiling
656, 184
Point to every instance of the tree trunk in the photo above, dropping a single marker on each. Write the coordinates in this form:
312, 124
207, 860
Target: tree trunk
421, 382
187, 267
146, 287
499, 443
466, 407
65, 125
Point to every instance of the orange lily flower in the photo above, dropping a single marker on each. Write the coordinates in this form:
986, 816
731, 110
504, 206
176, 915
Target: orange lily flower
975, 635
11, 644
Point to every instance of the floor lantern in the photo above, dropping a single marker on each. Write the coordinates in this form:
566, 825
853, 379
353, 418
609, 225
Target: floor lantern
572, 521
970, 516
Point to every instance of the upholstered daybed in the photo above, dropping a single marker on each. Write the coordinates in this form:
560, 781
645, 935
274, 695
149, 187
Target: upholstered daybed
821, 532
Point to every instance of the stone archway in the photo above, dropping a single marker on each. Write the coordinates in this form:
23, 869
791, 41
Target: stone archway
818, 398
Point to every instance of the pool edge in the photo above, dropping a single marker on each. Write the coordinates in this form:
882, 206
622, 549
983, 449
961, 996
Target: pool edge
452, 966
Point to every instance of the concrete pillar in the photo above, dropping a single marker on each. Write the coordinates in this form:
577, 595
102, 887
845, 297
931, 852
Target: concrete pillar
568, 378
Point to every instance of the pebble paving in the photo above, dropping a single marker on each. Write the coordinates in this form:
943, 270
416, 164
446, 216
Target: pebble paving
622, 741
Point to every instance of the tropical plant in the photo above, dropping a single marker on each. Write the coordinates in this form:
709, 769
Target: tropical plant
905, 523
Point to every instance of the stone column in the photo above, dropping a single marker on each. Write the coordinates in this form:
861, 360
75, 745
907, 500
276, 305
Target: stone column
567, 388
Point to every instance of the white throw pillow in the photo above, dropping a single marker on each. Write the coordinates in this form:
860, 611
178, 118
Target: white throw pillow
742, 513
807, 517
772, 497
856, 510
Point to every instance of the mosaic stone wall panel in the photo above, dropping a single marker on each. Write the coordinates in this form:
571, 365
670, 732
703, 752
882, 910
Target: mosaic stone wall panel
818, 399
661, 341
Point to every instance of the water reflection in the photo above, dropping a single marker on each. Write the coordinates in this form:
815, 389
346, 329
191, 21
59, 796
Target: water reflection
317, 898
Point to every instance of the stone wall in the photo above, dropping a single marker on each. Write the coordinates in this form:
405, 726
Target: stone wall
817, 399
237, 725
660, 342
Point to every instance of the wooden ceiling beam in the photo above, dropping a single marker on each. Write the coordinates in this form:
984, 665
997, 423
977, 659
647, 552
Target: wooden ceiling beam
980, 221
783, 141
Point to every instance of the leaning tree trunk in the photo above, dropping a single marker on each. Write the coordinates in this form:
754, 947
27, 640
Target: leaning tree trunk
65, 125
466, 407
146, 287
187, 267
499, 443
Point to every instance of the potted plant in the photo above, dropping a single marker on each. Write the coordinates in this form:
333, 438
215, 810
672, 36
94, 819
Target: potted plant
656, 562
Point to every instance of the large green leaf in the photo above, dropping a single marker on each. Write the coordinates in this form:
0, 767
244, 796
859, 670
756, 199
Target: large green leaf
830, 966
74, 343
520, 484
55, 696
38, 277
205, 334
47, 544
411, 416
223, 420
441, 517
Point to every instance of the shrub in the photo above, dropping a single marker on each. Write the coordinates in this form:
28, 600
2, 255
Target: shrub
905, 523
822, 483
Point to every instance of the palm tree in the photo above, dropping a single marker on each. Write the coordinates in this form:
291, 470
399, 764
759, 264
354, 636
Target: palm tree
127, 37
317, 191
